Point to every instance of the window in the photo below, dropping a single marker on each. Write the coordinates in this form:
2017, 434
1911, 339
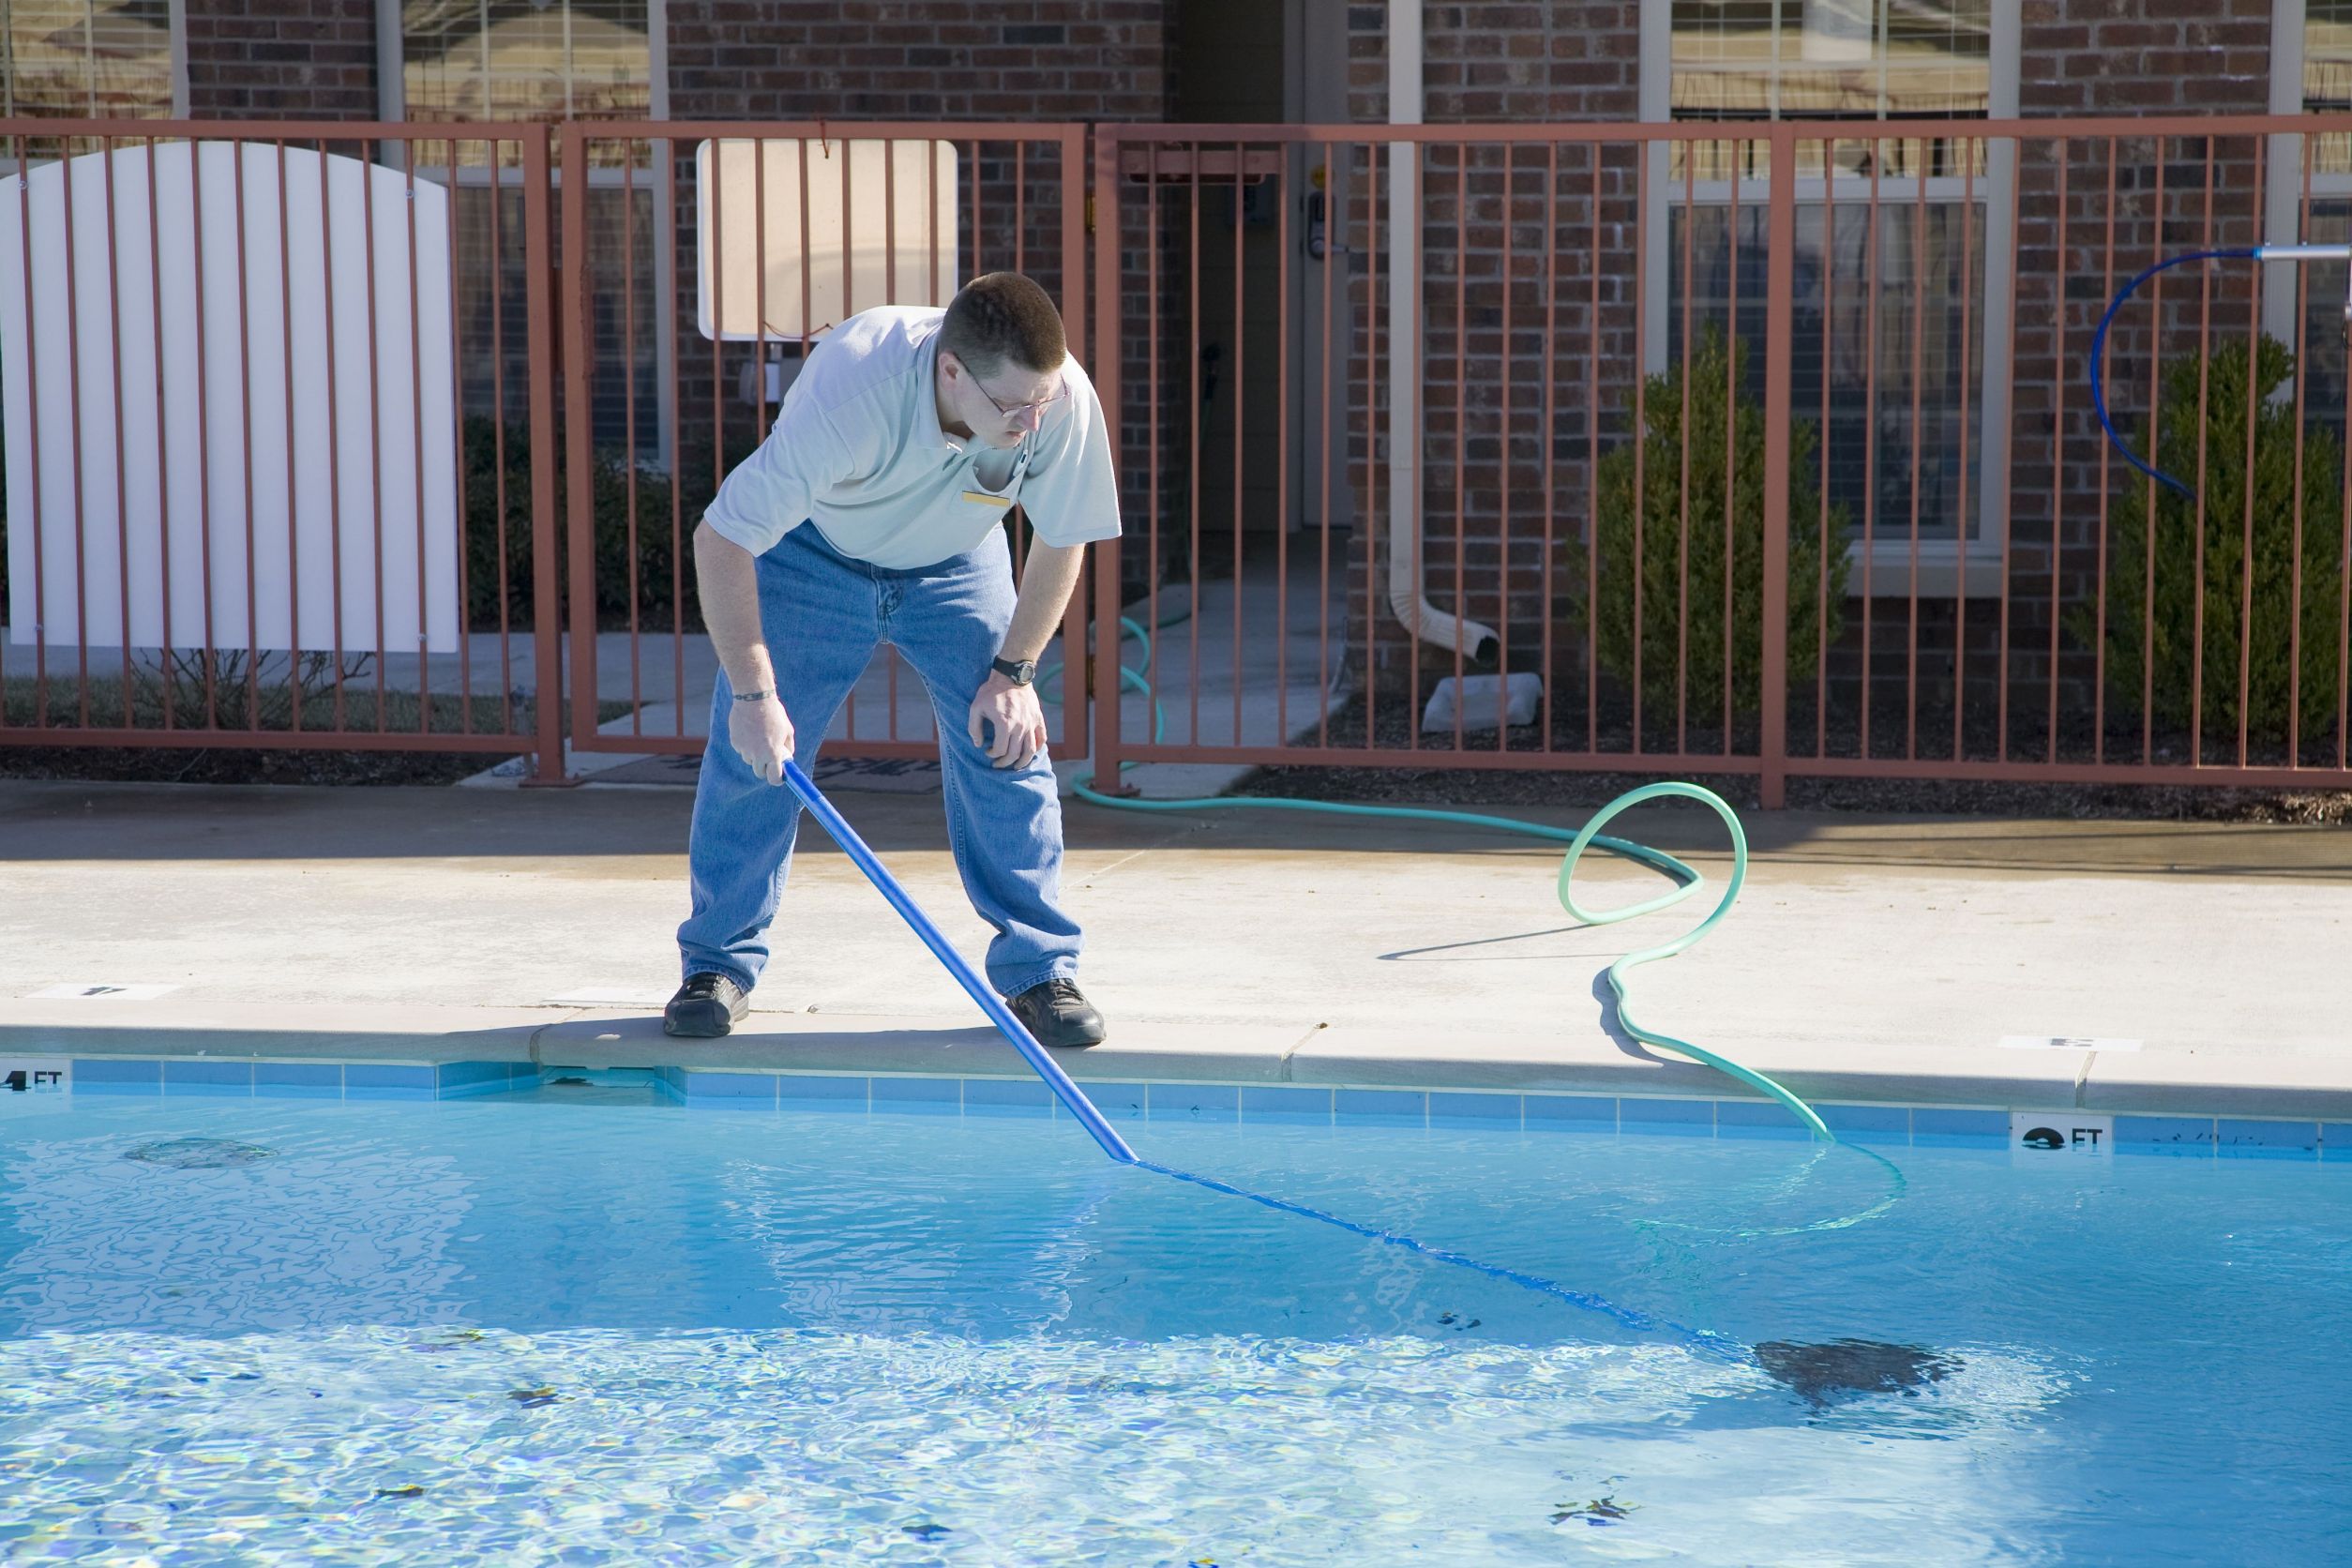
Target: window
1830, 59
538, 60
551, 61
2326, 73
91, 59
1916, 304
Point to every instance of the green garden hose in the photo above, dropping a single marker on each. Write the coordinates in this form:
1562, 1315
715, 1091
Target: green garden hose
1687, 878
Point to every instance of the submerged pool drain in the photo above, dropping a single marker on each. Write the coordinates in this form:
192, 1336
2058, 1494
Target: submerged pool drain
199, 1154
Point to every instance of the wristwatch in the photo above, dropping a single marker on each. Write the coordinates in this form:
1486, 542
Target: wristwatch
1019, 672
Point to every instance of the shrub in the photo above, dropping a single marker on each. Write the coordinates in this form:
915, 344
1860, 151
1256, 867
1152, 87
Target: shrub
1666, 616
610, 483
2217, 516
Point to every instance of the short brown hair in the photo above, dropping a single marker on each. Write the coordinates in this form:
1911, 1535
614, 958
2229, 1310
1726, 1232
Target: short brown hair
1002, 316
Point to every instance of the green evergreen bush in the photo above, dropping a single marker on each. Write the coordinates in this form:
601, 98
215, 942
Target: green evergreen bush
2218, 516
1670, 622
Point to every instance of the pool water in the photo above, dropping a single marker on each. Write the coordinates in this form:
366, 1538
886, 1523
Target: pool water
588, 1324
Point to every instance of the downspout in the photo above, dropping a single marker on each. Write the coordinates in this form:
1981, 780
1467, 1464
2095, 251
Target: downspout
1405, 595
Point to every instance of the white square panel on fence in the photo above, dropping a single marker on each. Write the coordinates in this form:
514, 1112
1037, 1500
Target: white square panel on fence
794, 235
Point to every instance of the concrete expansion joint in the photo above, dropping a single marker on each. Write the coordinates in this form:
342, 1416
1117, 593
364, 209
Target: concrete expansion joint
539, 1029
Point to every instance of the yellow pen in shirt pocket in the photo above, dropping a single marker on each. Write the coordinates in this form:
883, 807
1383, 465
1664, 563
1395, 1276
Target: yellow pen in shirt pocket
978, 498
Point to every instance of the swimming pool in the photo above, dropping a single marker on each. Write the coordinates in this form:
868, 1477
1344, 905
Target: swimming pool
586, 1322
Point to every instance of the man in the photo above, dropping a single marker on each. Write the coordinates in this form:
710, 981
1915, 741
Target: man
872, 514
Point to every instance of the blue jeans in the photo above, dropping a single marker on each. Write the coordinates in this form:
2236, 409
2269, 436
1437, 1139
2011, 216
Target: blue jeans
824, 614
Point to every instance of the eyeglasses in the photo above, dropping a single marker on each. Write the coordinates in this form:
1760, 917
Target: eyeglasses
1012, 410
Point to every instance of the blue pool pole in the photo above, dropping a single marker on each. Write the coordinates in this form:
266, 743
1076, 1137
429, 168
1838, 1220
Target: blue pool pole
1704, 1340
981, 991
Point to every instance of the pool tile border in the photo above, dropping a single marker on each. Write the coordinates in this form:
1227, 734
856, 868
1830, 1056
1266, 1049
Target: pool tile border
1230, 1104
1296, 1104
238, 1077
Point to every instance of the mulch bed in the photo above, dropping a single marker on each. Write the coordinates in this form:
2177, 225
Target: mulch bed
226, 765
1495, 787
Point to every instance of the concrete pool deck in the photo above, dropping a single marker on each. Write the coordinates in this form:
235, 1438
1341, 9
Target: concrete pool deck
1869, 959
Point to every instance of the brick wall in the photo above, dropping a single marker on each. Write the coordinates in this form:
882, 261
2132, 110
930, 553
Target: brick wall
922, 59
281, 59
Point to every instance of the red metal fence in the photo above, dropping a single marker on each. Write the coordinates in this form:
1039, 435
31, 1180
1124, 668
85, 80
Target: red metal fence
1740, 449
1762, 449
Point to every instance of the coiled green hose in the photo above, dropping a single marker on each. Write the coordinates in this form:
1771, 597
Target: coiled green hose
1687, 878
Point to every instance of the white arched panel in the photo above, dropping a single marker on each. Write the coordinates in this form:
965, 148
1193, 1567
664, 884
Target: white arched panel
266, 452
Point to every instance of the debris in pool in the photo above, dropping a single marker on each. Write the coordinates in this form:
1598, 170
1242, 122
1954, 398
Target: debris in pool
1600, 1510
531, 1398
412, 1490
1820, 1373
1455, 1322
197, 1153
924, 1531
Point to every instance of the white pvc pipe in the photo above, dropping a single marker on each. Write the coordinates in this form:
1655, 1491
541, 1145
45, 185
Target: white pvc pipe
1405, 595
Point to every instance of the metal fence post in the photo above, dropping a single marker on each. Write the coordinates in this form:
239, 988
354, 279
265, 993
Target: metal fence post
1779, 331
1103, 663
579, 516
545, 597
1075, 685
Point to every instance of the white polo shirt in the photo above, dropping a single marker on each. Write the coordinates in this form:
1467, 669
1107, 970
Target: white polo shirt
857, 449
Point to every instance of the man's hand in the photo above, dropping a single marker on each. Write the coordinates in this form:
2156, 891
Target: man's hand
1018, 721
761, 734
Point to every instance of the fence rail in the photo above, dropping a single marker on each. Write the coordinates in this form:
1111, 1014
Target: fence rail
1700, 447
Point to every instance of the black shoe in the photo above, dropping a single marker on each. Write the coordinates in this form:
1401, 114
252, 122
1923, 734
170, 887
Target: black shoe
1058, 1014
708, 1003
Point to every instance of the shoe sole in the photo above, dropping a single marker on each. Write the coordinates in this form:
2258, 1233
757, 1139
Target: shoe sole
697, 1023
1057, 1044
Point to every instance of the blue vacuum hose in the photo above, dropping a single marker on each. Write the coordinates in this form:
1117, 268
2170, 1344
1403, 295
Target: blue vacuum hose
2242, 253
2099, 350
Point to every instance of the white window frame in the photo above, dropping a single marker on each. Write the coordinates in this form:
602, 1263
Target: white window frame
392, 95
1973, 564
176, 10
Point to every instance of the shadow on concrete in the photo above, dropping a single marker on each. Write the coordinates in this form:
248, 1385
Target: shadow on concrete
51, 820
